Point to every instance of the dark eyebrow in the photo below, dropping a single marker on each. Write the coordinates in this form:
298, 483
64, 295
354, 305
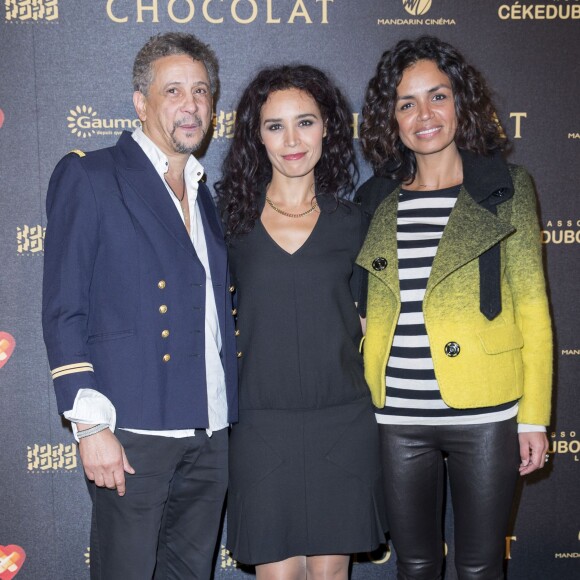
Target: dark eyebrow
438, 87
197, 84
432, 90
302, 116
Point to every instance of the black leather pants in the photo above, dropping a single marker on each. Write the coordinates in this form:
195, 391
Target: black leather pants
482, 467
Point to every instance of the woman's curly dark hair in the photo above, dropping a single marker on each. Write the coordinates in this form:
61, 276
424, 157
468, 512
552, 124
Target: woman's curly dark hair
247, 170
478, 128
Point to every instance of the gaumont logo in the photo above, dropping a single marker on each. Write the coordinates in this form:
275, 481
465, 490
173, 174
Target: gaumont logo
79, 121
84, 122
417, 7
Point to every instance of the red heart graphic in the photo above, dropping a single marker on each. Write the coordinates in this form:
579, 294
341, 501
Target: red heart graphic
7, 344
11, 559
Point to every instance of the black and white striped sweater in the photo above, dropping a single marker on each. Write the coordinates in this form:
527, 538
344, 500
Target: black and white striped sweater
413, 396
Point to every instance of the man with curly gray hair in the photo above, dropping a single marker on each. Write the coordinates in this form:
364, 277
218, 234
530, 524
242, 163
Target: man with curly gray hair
138, 324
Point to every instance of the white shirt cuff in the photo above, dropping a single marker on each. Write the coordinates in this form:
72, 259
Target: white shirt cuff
91, 407
527, 428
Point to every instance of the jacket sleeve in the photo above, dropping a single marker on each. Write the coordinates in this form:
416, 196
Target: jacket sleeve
526, 278
360, 277
70, 250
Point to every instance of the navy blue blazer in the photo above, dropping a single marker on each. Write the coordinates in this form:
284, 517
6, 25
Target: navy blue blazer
124, 292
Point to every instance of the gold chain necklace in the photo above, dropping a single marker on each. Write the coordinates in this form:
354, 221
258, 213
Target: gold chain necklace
292, 215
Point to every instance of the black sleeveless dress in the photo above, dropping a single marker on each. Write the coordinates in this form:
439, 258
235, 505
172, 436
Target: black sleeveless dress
305, 476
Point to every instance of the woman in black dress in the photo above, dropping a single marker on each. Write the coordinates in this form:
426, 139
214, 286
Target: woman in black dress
304, 470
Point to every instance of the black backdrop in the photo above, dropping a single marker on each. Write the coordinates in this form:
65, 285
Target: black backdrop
65, 68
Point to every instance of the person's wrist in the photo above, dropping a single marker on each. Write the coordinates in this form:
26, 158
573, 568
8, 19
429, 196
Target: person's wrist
82, 433
83, 426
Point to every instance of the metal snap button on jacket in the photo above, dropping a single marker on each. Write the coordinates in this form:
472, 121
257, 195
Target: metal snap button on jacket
452, 349
379, 264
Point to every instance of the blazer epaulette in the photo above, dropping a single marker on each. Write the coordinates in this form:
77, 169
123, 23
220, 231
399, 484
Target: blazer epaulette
78, 152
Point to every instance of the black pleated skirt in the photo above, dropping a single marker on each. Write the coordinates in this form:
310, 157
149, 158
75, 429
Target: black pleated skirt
304, 482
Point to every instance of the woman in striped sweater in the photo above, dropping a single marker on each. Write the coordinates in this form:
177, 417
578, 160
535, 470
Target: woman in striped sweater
458, 349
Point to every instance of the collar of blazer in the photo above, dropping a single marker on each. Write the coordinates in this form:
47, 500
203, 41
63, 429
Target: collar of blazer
473, 230
486, 179
140, 175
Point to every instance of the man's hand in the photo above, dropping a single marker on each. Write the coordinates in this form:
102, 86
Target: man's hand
533, 448
104, 459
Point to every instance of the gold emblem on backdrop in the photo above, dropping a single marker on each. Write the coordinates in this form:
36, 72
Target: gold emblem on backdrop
226, 561
555, 10
565, 443
30, 239
48, 458
561, 232
79, 121
417, 7
84, 122
27, 11
223, 124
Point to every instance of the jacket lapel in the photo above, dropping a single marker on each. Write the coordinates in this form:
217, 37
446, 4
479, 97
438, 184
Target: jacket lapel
470, 231
138, 176
217, 255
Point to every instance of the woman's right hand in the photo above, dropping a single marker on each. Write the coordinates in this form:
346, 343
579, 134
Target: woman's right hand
533, 448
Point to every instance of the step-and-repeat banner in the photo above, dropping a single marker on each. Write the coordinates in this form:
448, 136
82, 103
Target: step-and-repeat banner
65, 83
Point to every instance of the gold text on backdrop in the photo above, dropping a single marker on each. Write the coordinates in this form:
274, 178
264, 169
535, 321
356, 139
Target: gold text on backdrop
240, 11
